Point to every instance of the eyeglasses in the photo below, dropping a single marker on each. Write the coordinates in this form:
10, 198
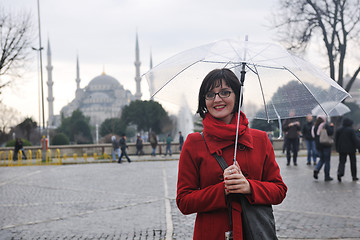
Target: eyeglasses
222, 94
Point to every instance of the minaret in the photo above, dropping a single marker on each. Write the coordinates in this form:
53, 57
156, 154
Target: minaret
77, 73
151, 79
50, 84
137, 67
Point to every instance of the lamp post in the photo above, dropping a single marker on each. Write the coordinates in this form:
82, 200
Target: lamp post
41, 71
39, 88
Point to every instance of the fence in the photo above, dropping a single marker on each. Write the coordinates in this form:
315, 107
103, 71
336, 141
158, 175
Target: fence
66, 154
7, 160
86, 153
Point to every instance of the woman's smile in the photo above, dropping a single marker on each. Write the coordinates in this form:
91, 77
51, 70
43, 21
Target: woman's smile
221, 108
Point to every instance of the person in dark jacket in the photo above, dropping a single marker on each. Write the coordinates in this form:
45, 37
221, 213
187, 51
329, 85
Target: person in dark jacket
153, 143
123, 147
291, 128
139, 146
309, 140
323, 150
181, 141
18, 147
346, 143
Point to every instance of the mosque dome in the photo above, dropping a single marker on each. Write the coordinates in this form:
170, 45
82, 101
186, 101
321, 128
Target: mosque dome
103, 82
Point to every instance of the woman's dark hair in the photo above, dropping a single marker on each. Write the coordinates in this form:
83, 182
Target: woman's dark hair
318, 121
213, 80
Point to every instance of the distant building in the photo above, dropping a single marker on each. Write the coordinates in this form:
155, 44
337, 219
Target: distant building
104, 96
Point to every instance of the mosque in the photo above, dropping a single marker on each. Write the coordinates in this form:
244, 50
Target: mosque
102, 98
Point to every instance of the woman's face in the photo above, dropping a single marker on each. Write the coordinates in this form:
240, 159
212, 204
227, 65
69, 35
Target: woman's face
221, 108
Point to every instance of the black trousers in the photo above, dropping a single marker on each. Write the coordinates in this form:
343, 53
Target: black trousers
124, 153
292, 145
342, 161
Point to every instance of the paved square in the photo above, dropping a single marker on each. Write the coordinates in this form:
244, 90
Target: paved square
137, 201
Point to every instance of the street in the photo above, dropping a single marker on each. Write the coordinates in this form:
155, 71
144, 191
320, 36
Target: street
137, 201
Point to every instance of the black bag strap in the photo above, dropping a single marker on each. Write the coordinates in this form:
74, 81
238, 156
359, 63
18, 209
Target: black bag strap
223, 166
221, 161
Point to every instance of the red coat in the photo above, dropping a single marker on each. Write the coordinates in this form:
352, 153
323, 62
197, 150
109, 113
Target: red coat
200, 187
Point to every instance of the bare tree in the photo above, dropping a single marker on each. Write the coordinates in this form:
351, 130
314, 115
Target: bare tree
336, 22
15, 40
9, 118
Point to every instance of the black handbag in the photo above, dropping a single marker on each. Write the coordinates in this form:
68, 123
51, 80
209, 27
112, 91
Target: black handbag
258, 220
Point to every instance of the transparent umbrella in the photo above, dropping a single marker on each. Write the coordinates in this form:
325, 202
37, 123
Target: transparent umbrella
338, 110
275, 81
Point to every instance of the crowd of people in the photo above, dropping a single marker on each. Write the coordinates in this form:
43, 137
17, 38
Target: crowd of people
120, 146
321, 137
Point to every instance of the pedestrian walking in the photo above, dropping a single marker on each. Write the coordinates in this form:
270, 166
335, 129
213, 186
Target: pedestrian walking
207, 190
181, 141
168, 145
346, 144
324, 150
291, 128
153, 142
123, 147
309, 139
116, 148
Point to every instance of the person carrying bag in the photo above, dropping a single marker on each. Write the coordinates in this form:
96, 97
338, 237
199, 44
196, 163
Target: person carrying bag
205, 188
322, 132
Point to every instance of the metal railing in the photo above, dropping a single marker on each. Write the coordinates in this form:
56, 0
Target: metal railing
8, 160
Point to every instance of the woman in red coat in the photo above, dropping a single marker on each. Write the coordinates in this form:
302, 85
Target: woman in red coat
203, 186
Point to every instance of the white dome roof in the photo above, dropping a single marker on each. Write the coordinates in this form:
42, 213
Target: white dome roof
104, 79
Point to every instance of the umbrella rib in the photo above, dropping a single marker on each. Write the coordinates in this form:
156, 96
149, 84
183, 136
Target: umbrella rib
279, 120
307, 89
175, 77
261, 51
262, 92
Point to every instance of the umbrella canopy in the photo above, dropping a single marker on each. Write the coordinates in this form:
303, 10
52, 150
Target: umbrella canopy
276, 81
339, 109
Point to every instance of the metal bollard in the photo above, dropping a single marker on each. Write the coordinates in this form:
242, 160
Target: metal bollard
10, 158
57, 157
29, 157
48, 157
106, 156
85, 157
38, 157
3, 158
19, 156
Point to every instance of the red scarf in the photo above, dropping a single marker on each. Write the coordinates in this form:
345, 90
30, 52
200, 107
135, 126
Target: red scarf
219, 135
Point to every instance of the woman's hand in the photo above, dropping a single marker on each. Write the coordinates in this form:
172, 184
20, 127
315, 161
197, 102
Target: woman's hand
235, 181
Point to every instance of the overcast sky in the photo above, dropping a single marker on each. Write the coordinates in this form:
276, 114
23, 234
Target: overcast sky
102, 33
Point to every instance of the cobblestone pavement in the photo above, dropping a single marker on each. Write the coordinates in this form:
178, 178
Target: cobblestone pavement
137, 201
